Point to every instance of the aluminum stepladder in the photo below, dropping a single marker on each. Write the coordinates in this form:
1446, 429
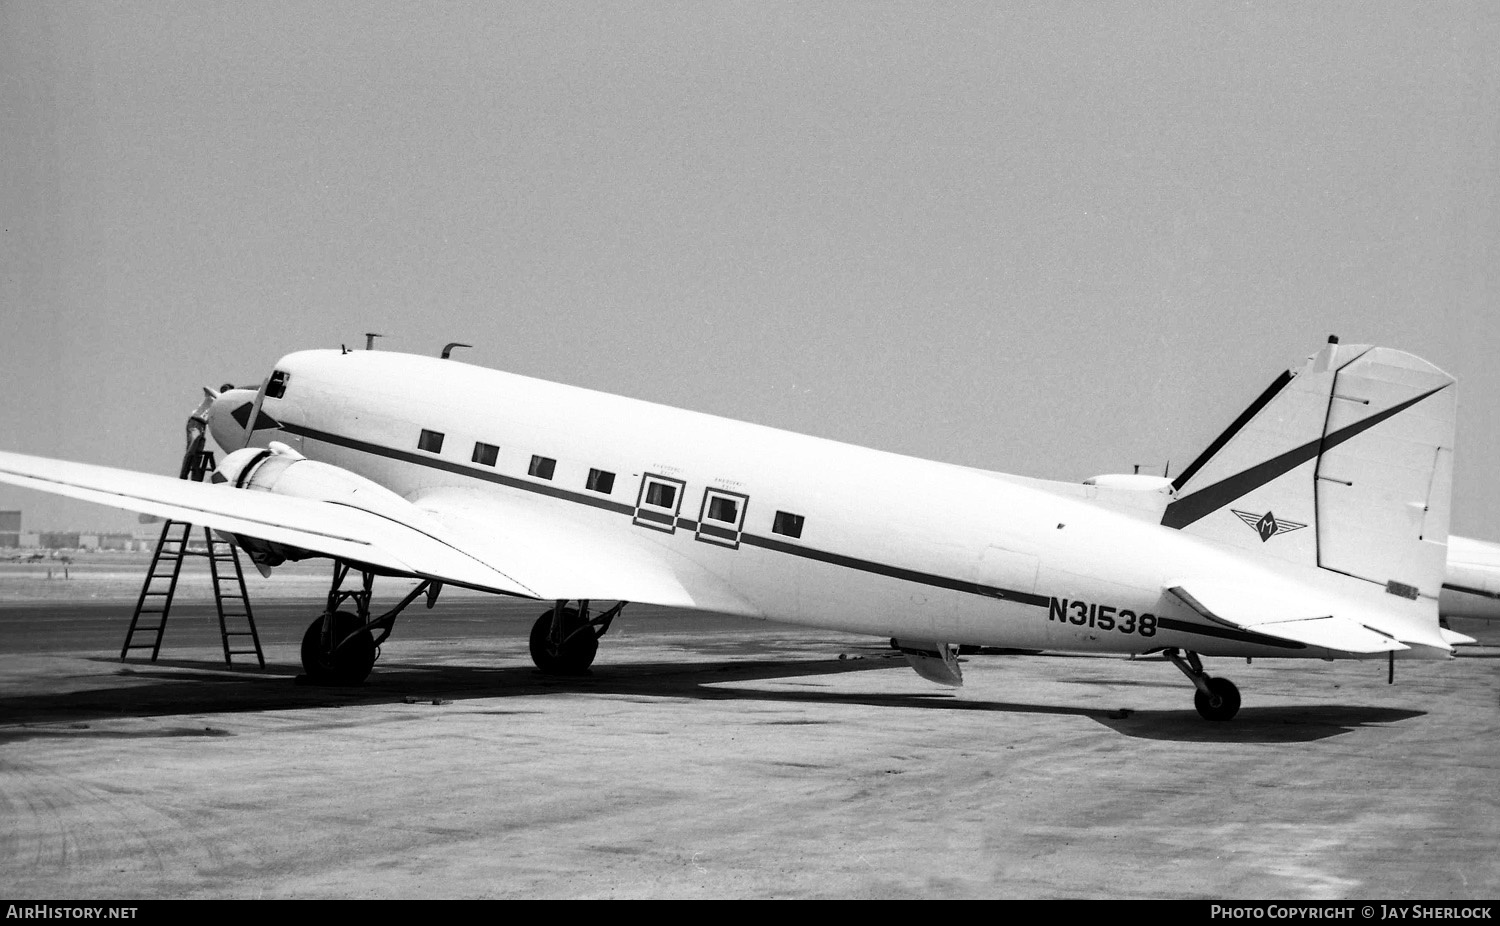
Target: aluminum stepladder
231, 599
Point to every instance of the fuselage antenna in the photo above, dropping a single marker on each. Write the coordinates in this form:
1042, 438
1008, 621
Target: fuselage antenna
449, 349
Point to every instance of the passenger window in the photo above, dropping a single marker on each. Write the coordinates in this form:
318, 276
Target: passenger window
486, 454
430, 441
788, 524
600, 481
542, 467
722, 517
661, 495
657, 503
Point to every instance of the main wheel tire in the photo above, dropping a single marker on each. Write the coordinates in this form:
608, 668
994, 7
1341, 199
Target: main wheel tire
1222, 703
349, 664
574, 655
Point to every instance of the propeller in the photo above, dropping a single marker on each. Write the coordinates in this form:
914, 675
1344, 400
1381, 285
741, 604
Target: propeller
194, 460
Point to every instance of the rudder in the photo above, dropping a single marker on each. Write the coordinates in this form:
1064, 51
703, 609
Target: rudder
1346, 465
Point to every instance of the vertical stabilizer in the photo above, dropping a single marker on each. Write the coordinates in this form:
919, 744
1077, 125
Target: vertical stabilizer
1346, 465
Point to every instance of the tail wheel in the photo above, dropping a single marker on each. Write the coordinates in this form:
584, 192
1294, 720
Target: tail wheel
1221, 703
349, 664
574, 654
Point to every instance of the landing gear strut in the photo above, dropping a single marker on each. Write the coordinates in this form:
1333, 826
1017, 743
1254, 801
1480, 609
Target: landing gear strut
1216, 698
339, 648
564, 640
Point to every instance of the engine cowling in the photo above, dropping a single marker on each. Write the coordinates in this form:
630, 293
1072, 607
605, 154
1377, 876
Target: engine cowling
1132, 493
1132, 482
283, 471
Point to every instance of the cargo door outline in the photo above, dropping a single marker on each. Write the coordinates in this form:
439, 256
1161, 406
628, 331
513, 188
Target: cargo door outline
713, 527
650, 510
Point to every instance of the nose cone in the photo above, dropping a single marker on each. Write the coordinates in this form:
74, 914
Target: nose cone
229, 418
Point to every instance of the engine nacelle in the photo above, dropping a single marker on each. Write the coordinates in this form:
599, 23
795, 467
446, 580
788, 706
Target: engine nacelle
1132, 482
283, 471
1132, 493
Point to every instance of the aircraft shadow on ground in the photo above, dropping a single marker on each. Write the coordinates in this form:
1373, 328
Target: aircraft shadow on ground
164, 689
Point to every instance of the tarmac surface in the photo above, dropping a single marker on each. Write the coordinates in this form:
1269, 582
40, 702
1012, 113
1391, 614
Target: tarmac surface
706, 756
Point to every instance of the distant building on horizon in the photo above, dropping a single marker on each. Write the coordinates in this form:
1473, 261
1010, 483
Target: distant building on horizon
58, 540
143, 537
10, 529
86, 540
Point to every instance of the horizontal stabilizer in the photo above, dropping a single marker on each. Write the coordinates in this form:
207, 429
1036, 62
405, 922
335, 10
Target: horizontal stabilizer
1254, 611
1454, 638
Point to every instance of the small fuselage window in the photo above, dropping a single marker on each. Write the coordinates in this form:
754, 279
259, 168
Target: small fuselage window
788, 524
723, 509
601, 481
661, 495
430, 441
542, 467
486, 454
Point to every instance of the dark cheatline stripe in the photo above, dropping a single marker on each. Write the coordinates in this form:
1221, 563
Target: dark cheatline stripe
766, 543
895, 572
837, 559
407, 456
1254, 409
1205, 501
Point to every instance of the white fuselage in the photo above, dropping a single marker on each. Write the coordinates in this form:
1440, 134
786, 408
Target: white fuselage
888, 545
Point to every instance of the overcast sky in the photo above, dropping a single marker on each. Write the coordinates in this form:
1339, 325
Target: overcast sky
1045, 238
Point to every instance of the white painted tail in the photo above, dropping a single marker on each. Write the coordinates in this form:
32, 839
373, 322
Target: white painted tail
1346, 465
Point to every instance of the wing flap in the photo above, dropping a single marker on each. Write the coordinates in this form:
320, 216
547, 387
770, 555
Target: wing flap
329, 528
1256, 611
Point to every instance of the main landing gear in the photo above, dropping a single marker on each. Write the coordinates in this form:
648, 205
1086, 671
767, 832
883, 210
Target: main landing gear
564, 640
339, 647
1216, 698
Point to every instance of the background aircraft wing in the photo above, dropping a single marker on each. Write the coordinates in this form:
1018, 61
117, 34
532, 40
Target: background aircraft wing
330, 528
1275, 616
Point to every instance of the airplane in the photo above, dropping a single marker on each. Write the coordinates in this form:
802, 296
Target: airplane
1472, 585
1314, 527
26, 557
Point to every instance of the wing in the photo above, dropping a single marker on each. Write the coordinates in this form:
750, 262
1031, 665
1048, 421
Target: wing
329, 528
1275, 616
573, 551
513, 545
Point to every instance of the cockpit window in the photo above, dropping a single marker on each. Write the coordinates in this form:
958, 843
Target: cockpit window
276, 386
